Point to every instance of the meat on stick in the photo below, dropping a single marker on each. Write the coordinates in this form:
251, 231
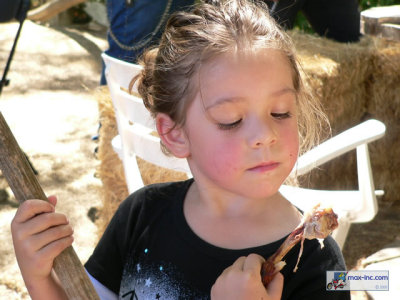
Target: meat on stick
316, 224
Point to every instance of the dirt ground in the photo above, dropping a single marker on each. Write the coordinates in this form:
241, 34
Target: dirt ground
53, 114
50, 107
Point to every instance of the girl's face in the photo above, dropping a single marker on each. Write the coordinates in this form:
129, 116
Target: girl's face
242, 125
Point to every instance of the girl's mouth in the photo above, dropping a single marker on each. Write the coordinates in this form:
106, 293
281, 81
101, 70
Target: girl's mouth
265, 167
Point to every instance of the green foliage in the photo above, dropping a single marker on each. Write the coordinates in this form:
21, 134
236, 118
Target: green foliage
302, 23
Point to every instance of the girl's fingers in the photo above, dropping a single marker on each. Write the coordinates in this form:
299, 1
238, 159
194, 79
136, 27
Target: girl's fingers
31, 208
41, 223
52, 250
52, 199
45, 221
253, 264
275, 287
55, 248
45, 238
238, 264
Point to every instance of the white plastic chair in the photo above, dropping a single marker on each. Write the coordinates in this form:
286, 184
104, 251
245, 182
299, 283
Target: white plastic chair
358, 206
135, 126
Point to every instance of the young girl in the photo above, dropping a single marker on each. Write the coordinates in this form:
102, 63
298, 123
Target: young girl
226, 93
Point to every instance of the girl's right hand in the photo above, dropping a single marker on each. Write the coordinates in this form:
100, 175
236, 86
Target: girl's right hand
242, 280
39, 235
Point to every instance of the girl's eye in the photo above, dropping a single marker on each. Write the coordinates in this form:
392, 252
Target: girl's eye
281, 116
230, 125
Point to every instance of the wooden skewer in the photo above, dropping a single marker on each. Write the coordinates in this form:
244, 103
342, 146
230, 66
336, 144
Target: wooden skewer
22, 181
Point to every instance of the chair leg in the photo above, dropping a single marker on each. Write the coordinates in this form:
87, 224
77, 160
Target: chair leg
340, 233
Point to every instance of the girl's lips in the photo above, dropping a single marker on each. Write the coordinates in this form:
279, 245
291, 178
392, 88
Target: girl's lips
264, 167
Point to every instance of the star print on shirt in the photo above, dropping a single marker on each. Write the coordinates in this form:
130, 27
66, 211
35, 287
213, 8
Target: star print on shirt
144, 280
148, 282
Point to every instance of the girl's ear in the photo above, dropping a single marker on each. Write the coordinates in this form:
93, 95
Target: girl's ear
174, 138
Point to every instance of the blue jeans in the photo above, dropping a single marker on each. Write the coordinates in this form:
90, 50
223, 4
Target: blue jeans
137, 24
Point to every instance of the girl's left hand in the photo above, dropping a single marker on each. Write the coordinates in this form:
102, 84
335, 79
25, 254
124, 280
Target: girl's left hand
242, 280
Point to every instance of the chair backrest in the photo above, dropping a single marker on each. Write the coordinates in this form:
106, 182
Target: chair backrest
137, 134
137, 138
121, 71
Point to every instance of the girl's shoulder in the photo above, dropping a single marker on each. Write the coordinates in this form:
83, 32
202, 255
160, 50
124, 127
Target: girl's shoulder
155, 195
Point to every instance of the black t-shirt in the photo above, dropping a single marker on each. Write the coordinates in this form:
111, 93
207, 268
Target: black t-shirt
148, 251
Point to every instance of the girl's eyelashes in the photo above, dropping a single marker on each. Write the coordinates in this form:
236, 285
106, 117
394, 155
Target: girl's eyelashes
281, 116
278, 116
230, 125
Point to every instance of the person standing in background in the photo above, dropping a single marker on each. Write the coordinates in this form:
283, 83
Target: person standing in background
335, 19
137, 24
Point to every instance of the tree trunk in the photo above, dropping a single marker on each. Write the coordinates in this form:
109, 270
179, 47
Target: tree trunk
51, 9
382, 21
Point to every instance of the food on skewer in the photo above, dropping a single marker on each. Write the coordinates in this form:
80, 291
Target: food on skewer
316, 224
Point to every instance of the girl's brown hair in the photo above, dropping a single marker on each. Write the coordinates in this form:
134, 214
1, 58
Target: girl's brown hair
191, 38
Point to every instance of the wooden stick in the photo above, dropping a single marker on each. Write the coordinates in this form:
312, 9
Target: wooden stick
23, 182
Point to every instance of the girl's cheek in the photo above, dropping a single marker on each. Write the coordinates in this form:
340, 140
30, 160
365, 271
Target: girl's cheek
225, 159
293, 157
294, 154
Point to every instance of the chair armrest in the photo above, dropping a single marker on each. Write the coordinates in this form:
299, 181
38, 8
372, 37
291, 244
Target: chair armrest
350, 139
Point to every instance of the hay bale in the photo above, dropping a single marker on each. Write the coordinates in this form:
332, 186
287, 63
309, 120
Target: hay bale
155, 174
110, 171
384, 105
336, 73
353, 83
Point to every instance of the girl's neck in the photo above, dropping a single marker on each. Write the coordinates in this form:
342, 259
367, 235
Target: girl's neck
231, 221
223, 204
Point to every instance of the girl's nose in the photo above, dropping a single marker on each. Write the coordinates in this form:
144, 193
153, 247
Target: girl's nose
262, 133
